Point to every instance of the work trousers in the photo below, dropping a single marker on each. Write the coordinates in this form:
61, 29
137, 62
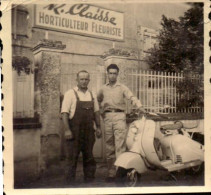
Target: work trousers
84, 139
115, 138
84, 143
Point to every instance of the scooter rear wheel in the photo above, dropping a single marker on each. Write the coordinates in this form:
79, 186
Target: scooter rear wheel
196, 170
127, 177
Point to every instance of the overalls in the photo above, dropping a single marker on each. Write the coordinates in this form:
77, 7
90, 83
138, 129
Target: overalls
82, 127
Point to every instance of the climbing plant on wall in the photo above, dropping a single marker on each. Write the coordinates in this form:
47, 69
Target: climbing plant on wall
21, 64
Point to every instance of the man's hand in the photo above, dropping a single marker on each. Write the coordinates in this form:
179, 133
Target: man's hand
98, 133
102, 113
68, 135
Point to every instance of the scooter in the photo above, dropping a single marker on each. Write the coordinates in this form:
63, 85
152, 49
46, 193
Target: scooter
170, 148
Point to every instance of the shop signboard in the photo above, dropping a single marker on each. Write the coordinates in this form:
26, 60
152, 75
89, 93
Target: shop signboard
84, 19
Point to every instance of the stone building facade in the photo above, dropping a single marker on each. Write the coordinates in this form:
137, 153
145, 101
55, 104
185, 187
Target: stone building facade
56, 55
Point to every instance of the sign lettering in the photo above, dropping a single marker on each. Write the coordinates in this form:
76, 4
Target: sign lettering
83, 19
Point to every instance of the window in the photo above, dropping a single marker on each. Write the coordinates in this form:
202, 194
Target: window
19, 21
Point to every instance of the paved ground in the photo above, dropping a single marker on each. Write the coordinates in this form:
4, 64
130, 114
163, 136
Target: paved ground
54, 178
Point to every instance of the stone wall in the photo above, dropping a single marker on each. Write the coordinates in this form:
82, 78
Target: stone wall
26, 156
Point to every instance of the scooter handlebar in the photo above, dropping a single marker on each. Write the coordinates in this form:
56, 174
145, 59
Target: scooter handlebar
155, 114
152, 113
138, 114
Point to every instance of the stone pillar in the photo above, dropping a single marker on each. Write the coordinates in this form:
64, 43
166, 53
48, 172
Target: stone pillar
101, 76
47, 55
99, 147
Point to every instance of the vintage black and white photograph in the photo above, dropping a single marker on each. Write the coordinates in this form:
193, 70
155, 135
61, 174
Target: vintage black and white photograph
107, 95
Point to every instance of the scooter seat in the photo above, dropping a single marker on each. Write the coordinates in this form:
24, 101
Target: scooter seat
175, 126
190, 126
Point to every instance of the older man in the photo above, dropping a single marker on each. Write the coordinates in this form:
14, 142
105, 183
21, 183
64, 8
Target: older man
80, 110
112, 99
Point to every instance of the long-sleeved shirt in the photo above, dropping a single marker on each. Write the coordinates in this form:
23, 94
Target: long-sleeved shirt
113, 97
69, 101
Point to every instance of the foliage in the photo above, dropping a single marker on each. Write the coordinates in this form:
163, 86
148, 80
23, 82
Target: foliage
180, 49
21, 64
51, 44
191, 93
116, 52
180, 43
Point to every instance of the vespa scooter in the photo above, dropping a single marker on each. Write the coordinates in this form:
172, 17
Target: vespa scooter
168, 148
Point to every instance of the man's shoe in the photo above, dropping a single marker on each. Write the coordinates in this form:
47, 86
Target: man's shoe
110, 179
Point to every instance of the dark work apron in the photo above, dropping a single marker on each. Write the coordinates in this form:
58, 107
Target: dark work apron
82, 127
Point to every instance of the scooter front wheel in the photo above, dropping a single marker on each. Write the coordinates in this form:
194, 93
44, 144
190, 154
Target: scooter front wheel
127, 177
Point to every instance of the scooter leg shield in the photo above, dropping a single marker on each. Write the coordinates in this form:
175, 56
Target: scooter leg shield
129, 160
